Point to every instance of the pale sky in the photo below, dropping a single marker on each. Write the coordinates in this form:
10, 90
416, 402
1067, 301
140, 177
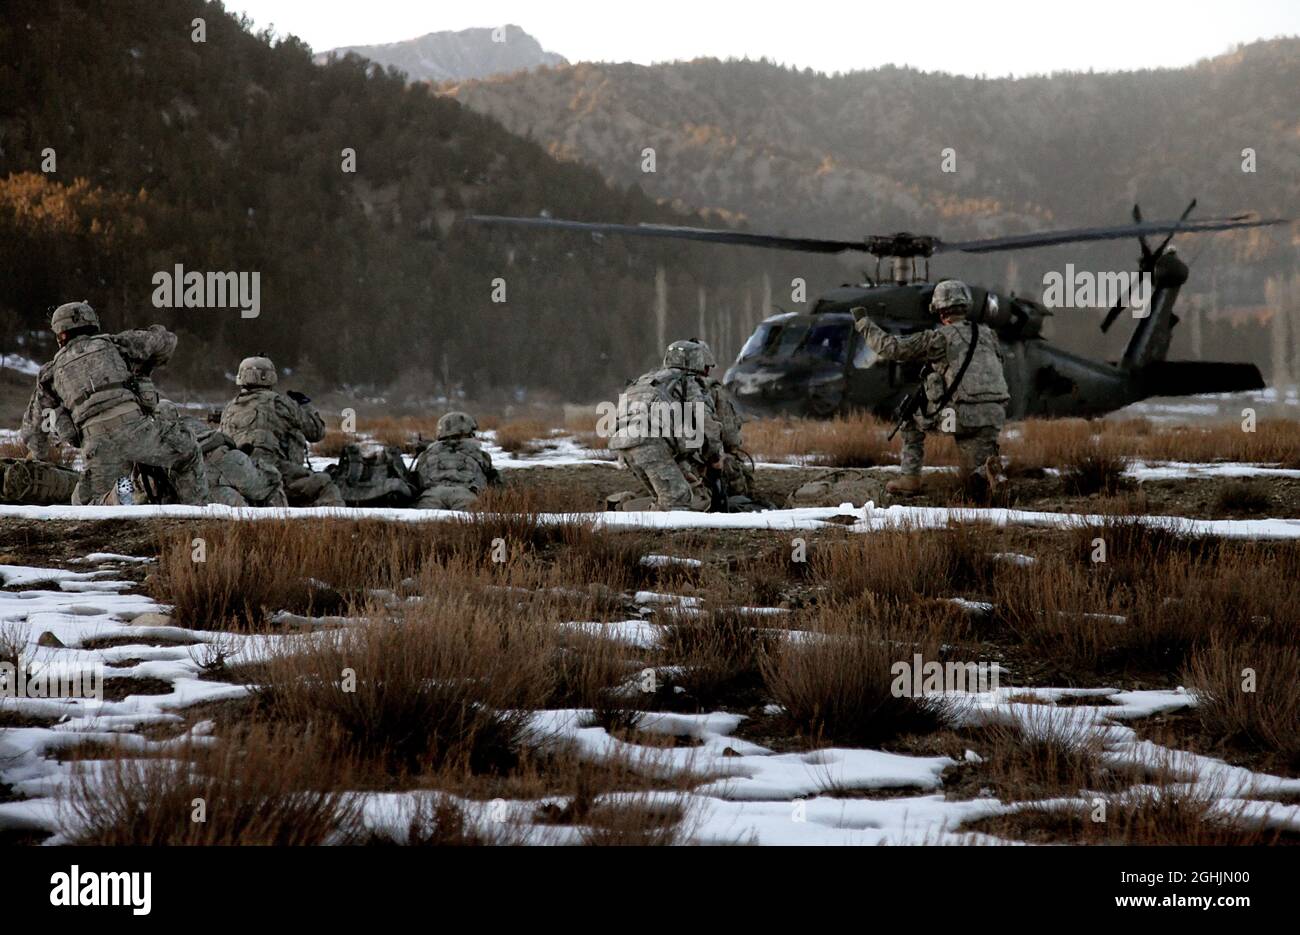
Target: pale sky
996, 37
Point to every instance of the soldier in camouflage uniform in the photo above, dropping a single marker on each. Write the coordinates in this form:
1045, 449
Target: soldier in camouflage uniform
737, 466
234, 478
274, 430
98, 389
671, 463
455, 469
978, 403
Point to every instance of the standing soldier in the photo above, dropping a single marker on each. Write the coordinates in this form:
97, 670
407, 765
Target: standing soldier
274, 428
99, 391
965, 391
683, 440
455, 469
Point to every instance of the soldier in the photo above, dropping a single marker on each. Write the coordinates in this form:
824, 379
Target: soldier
965, 391
737, 466
667, 433
99, 391
274, 430
234, 478
455, 469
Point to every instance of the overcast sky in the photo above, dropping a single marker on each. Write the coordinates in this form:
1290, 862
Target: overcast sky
996, 37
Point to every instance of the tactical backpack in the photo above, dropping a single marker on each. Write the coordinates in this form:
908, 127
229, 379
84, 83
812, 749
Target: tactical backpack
380, 478
38, 483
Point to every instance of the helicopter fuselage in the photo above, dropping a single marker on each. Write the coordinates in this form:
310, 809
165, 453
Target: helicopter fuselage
817, 365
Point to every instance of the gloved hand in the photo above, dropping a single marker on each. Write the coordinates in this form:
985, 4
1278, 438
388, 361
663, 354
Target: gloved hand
297, 397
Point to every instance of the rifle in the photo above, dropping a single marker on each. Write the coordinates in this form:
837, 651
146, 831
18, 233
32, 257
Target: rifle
916, 399
906, 409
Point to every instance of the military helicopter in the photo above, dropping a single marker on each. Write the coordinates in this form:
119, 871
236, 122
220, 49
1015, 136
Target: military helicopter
816, 364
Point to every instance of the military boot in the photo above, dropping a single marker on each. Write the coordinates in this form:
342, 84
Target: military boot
907, 486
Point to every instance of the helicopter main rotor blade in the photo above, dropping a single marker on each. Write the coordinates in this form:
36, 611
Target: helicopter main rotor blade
1081, 234
804, 244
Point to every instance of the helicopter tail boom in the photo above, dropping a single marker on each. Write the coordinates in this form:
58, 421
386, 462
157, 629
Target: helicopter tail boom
1194, 377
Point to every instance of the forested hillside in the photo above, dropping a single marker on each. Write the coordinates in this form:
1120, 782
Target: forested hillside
227, 155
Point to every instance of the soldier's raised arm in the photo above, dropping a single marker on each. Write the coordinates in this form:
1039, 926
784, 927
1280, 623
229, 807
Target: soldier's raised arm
925, 345
146, 349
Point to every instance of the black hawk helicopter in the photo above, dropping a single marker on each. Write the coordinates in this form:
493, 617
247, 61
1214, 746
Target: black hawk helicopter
816, 364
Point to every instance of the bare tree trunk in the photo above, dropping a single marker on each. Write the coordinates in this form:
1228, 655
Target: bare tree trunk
703, 329
661, 308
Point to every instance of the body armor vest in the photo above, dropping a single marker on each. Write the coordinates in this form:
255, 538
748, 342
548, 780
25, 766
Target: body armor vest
91, 377
983, 381
252, 422
452, 463
634, 425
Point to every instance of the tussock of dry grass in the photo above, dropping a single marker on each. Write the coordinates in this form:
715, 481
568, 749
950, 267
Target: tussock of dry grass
856, 440
445, 684
1142, 816
522, 436
835, 684
265, 787
898, 565
1265, 716
1244, 496
721, 653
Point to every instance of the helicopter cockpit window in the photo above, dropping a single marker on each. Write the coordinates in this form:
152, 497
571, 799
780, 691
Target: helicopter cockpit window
863, 356
760, 342
829, 341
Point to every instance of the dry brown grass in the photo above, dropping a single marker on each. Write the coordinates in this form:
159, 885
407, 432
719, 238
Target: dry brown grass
522, 436
332, 445
1248, 695
12, 450
255, 568
1143, 816
265, 787
835, 683
845, 441
901, 564
857, 440
721, 655
445, 684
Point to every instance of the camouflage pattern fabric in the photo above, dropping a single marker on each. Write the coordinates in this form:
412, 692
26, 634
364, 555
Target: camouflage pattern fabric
451, 473
978, 402
92, 388
674, 484
34, 482
274, 431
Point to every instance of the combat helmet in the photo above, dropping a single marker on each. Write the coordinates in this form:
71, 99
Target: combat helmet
256, 371
709, 359
71, 315
455, 425
687, 355
950, 297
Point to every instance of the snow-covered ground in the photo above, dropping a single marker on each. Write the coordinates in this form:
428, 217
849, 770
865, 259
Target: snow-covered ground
866, 518
754, 794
